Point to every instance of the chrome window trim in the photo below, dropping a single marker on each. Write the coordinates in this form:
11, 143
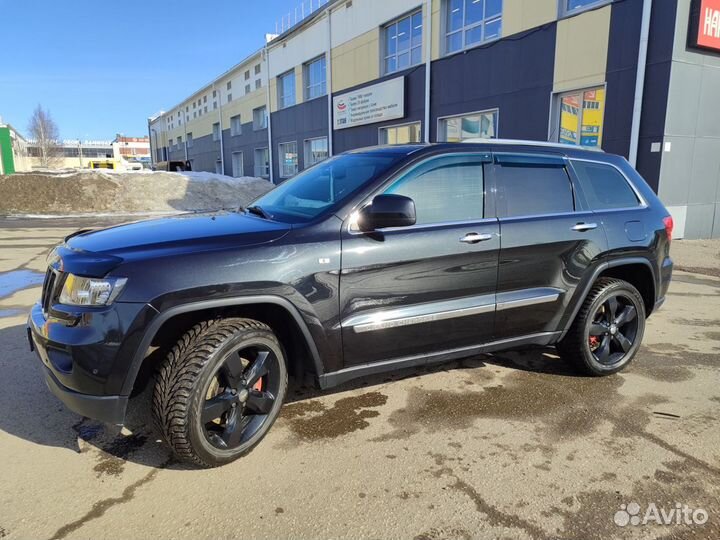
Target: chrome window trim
643, 202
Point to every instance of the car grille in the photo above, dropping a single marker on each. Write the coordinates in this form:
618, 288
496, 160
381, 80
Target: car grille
50, 289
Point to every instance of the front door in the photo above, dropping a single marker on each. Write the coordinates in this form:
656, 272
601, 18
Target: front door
427, 288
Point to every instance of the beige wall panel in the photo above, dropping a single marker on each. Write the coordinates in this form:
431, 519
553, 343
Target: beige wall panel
437, 31
356, 61
299, 85
581, 50
521, 15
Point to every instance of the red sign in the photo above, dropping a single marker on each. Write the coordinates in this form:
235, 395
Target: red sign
704, 31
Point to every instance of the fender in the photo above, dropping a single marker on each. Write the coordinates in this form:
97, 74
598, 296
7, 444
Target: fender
163, 316
599, 270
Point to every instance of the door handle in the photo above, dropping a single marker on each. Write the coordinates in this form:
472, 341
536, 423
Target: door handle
474, 238
582, 227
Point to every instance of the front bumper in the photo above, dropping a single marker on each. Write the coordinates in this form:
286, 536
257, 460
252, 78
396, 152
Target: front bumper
110, 409
86, 357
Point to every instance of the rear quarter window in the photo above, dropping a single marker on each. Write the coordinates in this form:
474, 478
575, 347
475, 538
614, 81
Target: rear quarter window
604, 186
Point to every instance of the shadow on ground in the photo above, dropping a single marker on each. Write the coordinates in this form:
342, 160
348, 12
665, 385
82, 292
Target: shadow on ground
29, 411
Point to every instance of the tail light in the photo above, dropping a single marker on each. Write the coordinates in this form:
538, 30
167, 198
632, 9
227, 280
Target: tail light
669, 224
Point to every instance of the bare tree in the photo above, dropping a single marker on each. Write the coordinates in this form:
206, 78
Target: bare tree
44, 131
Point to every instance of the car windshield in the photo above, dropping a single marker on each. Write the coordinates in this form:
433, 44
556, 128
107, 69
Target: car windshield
323, 186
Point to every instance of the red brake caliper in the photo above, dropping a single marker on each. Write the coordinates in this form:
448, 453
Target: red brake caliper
594, 341
258, 385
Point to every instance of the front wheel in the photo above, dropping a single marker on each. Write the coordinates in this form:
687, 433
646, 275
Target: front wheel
608, 330
219, 390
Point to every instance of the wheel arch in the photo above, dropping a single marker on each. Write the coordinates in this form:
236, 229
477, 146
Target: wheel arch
634, 270
279, 313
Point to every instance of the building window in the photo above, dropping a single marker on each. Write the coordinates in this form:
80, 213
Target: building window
579, 120
260, 119
214, 105
237, 164
257, 69
229, 98
408, 133
286, 90
479, 125
315, 77
247, 75
216, 131
189, 140
229, 85
574, 6
179, 141
236, 126
262, 162
316, 150
205, 109
247, 88
403, 43
288, 159
204, 99
258, 84
471, 22
214, 93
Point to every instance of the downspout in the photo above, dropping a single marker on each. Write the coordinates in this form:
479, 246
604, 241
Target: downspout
269, 114
185, 131
640, 82
428, 53
328, 74
222, 144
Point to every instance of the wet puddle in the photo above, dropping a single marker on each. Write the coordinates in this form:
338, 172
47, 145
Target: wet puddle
10, 313
17, 280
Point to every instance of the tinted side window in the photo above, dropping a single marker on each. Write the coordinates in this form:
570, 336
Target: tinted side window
604, 186
533, 189
445, 189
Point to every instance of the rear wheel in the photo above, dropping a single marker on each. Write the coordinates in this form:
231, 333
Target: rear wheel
608, 330
219, 390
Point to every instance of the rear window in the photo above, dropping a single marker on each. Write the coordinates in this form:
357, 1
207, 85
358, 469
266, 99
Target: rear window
604, 186
528, 189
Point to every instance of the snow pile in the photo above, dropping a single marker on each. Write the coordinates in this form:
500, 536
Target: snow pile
99, 192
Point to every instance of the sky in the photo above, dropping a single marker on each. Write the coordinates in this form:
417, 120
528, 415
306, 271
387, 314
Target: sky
102, 68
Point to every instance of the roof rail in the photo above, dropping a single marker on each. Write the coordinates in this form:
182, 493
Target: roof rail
531, 143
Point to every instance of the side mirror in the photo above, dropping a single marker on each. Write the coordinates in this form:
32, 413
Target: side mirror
387, 211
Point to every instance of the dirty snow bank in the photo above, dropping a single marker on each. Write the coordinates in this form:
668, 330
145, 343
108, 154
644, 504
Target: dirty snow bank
99, 192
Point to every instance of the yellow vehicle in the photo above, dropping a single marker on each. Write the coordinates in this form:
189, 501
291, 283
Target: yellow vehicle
113, 164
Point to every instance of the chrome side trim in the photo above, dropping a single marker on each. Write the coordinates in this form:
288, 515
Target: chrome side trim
420, 313
527, 297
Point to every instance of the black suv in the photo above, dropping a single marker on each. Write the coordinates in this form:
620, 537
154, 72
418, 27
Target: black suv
371, 261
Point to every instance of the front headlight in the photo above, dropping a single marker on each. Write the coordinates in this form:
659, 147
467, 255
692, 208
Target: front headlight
83, 291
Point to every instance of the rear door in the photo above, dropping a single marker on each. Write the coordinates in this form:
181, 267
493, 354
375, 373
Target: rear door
548, 243
419, 290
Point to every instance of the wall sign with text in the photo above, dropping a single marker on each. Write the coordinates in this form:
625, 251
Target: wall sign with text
371, 104
704, 28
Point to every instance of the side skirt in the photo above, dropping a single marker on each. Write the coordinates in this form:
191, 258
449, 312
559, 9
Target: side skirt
328, 380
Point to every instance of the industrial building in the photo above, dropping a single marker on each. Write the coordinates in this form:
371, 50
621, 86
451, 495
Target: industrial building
13, 150
640, 78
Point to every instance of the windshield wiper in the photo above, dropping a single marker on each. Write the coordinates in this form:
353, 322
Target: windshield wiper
258, 211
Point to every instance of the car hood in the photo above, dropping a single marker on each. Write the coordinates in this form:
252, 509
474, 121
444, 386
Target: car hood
96, 252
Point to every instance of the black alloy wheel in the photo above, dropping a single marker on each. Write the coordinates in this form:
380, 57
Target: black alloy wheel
220, 390
607, 332
612, 333
240, 396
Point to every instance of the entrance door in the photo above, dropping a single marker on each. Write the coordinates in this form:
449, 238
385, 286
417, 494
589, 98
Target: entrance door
427, 288
237, 164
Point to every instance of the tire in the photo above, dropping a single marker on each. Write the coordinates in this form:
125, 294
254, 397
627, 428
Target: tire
603, 340
219, 390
